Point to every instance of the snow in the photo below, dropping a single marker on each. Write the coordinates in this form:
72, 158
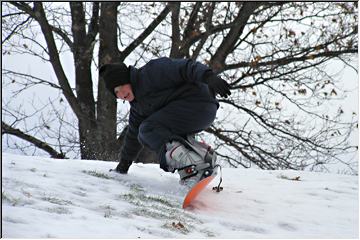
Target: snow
52, 198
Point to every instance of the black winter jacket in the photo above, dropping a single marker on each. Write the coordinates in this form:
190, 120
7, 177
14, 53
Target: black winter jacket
156, 84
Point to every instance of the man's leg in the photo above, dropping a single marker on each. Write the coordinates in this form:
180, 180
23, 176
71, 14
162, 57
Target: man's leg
176, 120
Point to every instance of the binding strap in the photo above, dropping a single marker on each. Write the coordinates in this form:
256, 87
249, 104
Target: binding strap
192, 170
218, 188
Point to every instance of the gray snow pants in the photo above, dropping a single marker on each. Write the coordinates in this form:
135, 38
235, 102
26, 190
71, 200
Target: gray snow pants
176, 120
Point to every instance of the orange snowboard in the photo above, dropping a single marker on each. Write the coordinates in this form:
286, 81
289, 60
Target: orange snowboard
195, 190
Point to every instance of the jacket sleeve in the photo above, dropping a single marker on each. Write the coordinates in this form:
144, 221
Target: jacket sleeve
166, 73
132, 146
192, 71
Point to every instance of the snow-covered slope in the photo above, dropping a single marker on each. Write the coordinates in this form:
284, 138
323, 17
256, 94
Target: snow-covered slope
45, 197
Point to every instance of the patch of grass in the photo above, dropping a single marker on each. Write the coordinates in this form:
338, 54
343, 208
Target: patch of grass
108, 211
141, 199
153, 213
97, 174
12, 220
208, 233
159, 208
155, 207
27, 194
178, 227
131, 198
137, 188
9, 199
160, 200
58, 210
57, 201
16, 201
80, 193
282, 176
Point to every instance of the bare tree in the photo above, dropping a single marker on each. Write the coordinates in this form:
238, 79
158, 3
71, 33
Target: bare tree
274, 55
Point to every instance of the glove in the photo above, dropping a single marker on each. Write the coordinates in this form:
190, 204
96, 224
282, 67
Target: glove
219, 86
122, 168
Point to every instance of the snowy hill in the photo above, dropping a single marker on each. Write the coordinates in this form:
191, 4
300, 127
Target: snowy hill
45, 198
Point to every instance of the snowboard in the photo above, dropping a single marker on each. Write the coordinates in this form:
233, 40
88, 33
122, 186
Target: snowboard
197, 189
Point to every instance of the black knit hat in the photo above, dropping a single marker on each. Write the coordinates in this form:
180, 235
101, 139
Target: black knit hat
114, 74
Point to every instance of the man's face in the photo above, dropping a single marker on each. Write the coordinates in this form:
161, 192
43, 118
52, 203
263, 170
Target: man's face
124, 92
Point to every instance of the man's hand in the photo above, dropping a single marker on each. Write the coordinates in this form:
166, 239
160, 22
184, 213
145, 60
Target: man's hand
122, 167
219, 86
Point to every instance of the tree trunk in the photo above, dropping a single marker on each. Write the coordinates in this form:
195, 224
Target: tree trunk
107, 146
83, 80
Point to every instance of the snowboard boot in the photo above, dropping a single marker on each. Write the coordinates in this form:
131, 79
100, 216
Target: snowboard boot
193, 160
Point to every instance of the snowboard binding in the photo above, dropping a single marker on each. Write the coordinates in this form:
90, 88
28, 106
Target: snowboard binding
193, 160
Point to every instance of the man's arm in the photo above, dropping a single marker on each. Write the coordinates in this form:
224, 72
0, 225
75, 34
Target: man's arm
194, 71
131, 147
166, 73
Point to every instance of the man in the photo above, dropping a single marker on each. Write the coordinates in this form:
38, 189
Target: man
171, 100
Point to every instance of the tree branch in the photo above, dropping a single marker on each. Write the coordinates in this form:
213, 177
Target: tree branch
7, 129
175, 43
231, 38
287, 60
93, 28
27, 9
39, 15
145, 33
191, 22
208, 26
15, 29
